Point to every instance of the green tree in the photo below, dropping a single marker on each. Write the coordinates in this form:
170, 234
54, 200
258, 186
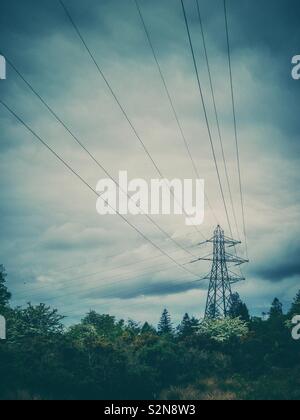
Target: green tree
97, 365
295, 308
188, 326
35, 336
212, 312
5, 296
148, 329
133, 328
276, 311
165, 326
105, 325
224, 330
36, 321
239, 309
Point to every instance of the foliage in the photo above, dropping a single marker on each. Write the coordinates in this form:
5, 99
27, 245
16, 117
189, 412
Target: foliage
4, 294
102, 357
295, 308
188, 326
276, 311
224, 330
165, 326
239, 309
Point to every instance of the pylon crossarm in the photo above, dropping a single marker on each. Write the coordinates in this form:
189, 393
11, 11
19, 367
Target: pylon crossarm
207, 277
232, 274
234, 280
235, 260
209, 241
231, 242
206, 258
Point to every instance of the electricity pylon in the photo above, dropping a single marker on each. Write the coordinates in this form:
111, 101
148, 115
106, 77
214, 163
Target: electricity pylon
219, 299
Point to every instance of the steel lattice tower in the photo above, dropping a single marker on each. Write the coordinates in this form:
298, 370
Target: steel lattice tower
219, 297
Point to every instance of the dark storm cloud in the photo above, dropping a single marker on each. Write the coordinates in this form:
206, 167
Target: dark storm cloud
281, 265
148, 288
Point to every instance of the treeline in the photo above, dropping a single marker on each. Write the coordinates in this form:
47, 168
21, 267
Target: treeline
105, 358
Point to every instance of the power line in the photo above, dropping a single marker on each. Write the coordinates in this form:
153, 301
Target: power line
85, 276
21, 121
167, 289
185, 141
217, 115
141, 275
204, 107
110, 284
76, 28
217, 119
96, 260
69, 282
140, 291
205, 113
72, 267
82, 145
235, 125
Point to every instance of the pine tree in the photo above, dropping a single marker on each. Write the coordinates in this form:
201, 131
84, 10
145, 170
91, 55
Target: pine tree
295, 308
4, 293
276, 311
188, 326
212, 312
184, 325
165, 326
239, 309
148, 329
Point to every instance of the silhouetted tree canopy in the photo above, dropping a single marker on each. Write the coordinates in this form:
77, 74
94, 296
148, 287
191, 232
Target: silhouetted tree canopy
239, 309
295, 308
104, 358
165, 326
5, 296
276, 311
188, 326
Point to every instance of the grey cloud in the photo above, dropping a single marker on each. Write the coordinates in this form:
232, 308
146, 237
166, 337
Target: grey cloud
281, 264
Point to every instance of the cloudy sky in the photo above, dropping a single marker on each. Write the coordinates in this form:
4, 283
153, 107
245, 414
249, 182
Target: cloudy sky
54, 246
